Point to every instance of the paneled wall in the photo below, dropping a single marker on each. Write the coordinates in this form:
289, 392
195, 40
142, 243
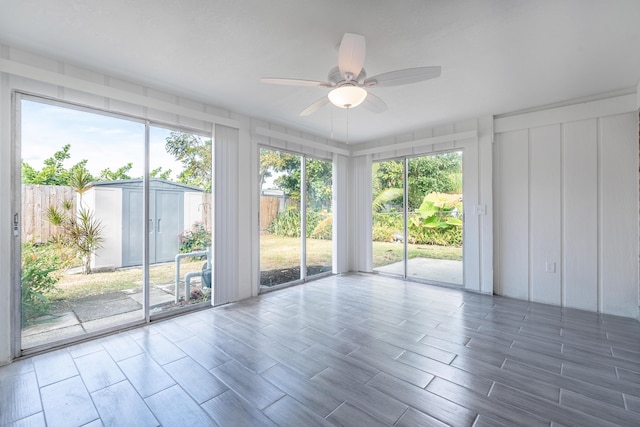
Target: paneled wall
566, 210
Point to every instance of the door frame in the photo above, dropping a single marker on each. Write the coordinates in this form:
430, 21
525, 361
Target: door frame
17, 96
303, 220
405, 214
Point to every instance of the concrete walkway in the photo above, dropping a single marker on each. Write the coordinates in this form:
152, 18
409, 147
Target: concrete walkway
97, 312
434, 270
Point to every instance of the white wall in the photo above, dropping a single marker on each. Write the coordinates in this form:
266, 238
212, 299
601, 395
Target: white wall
474, 138
566, 206
194, 208
106, 204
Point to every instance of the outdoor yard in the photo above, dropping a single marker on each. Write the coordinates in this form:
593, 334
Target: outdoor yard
73, 286
283, 252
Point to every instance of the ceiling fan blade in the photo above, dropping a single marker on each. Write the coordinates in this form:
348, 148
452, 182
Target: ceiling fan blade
315, 106
295, 82
374, 103
351, 55
403, 77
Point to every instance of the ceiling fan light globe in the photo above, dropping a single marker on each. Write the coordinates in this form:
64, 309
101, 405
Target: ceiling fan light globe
347, 96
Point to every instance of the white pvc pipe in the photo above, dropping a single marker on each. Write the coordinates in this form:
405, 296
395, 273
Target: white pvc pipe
206, 253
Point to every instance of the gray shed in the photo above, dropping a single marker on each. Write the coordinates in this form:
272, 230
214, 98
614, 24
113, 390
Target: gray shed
173, 208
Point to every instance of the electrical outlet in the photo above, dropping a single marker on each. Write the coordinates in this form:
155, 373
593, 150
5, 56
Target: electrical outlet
481, 209
550, 267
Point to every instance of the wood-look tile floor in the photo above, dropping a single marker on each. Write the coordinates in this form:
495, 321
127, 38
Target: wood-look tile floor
354, 350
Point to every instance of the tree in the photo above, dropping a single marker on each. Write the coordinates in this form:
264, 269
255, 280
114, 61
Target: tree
196, 157
53, 171
159, 173
318, 179
427, 174
80, 231
121, 173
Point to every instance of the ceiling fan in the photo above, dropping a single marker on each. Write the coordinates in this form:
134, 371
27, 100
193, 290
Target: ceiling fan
349, 83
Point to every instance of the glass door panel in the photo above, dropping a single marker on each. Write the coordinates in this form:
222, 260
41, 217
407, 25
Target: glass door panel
319, 249
280, 213
388, 216
73, 280
434, 221
180, 206
428, 245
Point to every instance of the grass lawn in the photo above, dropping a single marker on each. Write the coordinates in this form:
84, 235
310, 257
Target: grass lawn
275, 253
278, 252
73, 286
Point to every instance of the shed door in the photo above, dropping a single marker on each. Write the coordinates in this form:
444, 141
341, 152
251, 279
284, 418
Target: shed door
166, 212
168, 221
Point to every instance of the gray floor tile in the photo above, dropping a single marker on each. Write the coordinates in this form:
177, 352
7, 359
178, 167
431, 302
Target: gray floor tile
423, 400
228, 409
544, 408
598, 409
414, 418
348, 415
392, 367
607, 395
195, 380
187, 413
160, 348
53, 367
288, 412
203, 352
481, 404
347, 365
297, 386
247, 384
145, 375
35, 420
19, 396
342, 387
98, 370
458, 376
121, 405
121, 346
632, 403
248, 356
348, 350
67, 403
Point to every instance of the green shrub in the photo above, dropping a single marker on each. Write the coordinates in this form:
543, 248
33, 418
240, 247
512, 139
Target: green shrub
196, 239
386, 225
287, 224
433, 223
40, 265
324, 229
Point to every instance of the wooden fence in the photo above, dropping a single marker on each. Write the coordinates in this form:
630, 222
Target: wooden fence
268, 210
36, 200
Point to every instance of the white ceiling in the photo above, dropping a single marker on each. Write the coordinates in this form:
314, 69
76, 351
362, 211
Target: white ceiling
497, 56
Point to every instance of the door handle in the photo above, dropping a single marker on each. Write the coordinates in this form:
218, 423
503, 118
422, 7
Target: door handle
150, 226
158, 223
15, 225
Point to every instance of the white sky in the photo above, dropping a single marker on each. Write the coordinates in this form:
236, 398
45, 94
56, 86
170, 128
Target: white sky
102, 140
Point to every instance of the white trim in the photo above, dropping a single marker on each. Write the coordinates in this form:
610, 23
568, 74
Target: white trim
418, 142
298, 140
34, 73
585, 110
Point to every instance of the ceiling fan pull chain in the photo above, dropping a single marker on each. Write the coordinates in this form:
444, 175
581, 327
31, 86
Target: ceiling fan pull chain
331, 137
348, 125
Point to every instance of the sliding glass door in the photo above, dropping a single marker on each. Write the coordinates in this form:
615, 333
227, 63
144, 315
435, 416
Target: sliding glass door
104, 225
295, 218
418, 217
